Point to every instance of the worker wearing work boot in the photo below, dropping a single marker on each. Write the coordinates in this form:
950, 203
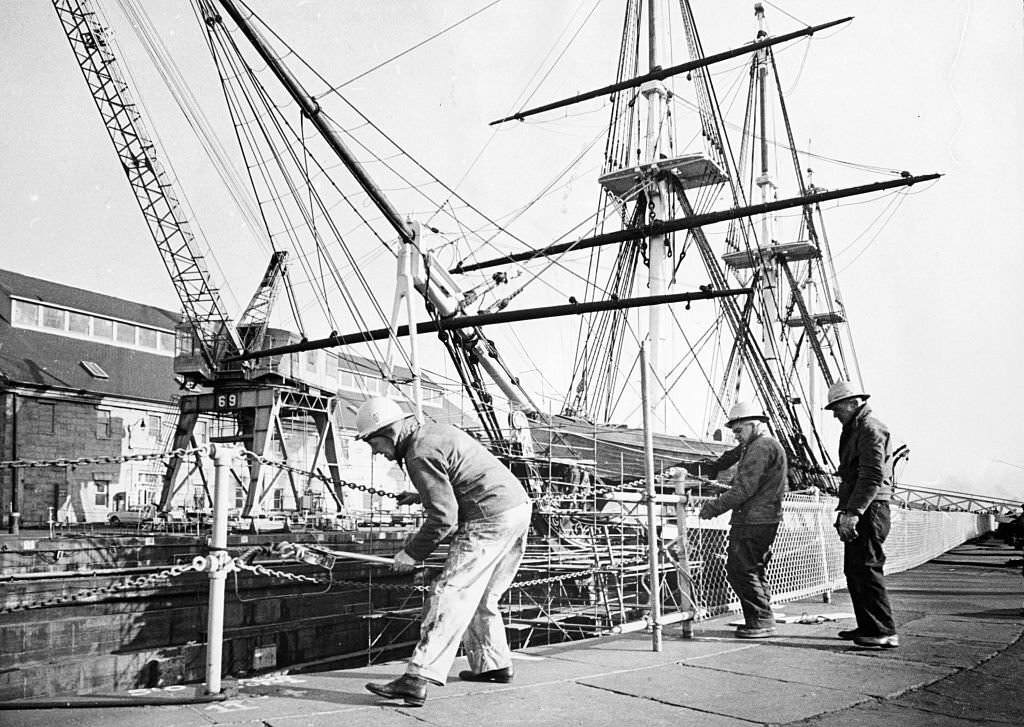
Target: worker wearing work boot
755, 499
465, 492
865, 473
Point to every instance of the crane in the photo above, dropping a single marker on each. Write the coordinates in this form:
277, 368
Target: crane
260, 398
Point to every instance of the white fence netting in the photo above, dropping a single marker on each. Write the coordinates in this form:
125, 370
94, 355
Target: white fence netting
807, 556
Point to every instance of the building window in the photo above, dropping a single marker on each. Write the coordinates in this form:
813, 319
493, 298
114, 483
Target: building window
278, 499
126, 333
102, 424
47, 418
25, 313
103, 328
95, 370
155, 425
102, 492
147, 338
344, 455
79, 323
200, 432
53, 318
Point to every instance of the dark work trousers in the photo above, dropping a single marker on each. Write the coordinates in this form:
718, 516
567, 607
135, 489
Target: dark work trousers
863, 562
749, 553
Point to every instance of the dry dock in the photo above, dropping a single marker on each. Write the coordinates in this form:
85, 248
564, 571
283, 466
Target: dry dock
960, 664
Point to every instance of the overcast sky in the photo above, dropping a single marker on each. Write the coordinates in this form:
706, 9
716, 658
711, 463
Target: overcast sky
933, 290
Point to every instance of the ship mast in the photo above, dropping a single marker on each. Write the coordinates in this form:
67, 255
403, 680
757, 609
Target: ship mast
654, 95
766, 185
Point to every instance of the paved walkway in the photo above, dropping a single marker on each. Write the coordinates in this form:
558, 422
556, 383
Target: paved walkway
960, 663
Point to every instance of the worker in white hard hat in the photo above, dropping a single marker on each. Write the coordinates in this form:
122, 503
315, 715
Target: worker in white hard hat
466, 492
755, 499
866, 478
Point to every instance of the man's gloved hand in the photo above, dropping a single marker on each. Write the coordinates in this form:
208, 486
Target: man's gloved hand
408, 498
846, 526
402, 562
707, 512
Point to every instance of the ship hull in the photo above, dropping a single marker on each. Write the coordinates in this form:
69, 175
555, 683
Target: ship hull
616, 454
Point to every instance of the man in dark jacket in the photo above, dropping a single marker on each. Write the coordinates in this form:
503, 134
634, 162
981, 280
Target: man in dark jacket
755, 499
466, 491
865, 473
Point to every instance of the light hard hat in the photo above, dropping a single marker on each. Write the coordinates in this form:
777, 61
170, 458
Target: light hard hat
745, 410
842, 390
376, 413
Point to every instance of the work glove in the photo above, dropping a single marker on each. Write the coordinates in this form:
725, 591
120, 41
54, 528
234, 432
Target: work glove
402, 562
846, 526
707, 512
408, 498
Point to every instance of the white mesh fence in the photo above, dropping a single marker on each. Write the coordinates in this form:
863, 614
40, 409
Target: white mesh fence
592, 573
807, 555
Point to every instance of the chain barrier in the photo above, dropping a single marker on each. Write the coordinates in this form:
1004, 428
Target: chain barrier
106, 459
316, 475
182, 453
88, 595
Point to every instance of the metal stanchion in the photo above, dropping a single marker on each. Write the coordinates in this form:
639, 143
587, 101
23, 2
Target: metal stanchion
683, 564
652, 530
218, 564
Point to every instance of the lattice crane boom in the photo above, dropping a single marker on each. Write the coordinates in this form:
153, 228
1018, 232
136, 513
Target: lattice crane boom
153, 188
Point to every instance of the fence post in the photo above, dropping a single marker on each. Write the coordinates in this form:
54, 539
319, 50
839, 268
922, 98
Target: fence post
683, 564
819, 516
219, 564
652, 530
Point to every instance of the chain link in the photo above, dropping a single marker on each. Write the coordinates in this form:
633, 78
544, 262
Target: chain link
238, 564
65, 462
316, 475
326, 580
90, 594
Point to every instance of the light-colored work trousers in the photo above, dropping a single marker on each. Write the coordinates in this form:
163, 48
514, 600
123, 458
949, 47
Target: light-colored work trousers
482, 563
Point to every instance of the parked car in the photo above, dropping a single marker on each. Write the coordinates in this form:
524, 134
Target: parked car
259, 523
132, 515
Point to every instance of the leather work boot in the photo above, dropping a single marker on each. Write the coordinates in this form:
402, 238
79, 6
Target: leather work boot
849, 634
889, 641
411, 688
498, 676
754, 632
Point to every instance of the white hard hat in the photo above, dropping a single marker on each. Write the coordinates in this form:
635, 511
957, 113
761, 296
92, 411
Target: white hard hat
745, 410
376, 413
842, 390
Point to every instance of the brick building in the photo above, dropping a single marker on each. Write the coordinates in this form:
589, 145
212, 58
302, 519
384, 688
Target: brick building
81, 376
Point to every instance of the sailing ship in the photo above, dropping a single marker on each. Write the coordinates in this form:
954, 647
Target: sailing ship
690, 289
686, 204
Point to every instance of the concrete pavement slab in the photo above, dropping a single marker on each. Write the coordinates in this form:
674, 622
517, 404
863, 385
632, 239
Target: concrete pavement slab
990, 692
109, 717
963, 629
634, 650
840, 670
884, 714
568, 704
731, 695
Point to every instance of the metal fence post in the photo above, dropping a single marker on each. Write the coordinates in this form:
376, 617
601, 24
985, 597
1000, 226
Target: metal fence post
218, 565
652, 529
